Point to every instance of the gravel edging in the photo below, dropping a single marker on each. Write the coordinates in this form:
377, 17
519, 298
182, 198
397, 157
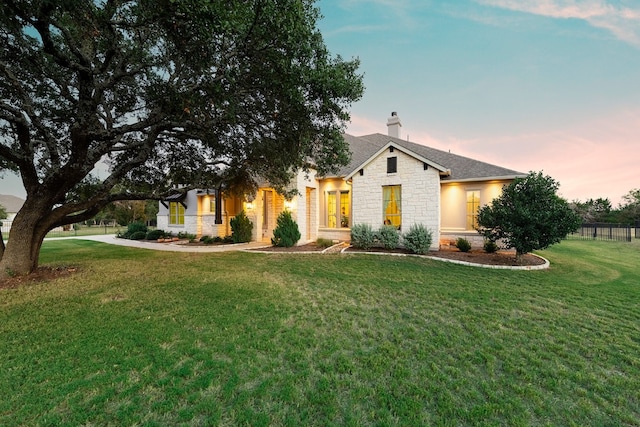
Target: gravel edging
467, 263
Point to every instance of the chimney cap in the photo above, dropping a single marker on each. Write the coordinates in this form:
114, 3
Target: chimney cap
394, 113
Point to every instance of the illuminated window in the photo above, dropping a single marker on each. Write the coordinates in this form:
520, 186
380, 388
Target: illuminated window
392, 205
337, 209
212, 204
344, 209
176, 213
332, 209
473, 204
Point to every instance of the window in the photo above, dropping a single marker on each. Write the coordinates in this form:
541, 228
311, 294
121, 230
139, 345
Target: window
332, 208
344, 209
212, 204
392, 164
176, 213
392, 205
473, 204
338, 209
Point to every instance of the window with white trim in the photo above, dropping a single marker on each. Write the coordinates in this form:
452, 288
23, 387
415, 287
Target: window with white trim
473, 204
176, 213
392, 205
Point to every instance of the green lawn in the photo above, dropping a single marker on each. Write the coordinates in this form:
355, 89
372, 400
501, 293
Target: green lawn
138, 337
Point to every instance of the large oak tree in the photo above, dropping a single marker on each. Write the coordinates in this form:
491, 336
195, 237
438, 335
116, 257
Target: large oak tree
199, 92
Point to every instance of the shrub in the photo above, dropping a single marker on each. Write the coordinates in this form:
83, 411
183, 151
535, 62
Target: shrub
154, 234
417, 239
185, 235
241, 228
362, 237
388, 236
138, 235
490, 247
229, 239
286, 233
207, 240
135, 227
132, 228
463, 244
324, 243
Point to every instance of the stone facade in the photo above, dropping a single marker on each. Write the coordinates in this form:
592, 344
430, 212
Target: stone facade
420, 192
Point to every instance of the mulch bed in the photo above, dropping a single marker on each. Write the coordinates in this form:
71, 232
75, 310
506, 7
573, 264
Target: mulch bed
42, 274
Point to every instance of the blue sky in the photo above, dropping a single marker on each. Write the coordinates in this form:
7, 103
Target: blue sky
551, 85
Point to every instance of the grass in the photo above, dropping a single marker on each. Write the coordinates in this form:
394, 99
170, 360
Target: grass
138, 337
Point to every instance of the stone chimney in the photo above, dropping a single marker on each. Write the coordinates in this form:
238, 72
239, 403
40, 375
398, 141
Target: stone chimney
394, 125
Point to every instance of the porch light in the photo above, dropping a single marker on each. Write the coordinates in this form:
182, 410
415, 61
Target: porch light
288, 204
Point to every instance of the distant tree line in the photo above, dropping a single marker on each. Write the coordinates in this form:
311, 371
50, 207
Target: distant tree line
125, 212
601, 210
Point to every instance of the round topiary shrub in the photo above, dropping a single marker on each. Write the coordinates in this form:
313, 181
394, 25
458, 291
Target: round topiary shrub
417, 239
362, 236
154, 234
463, 244
138, 235
133, 228
388, 236
286, 233
490, 247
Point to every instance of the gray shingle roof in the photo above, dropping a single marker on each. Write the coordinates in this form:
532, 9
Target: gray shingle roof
11, 204
462, 168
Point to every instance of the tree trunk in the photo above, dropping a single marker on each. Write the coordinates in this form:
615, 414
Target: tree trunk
519, 256
28, 230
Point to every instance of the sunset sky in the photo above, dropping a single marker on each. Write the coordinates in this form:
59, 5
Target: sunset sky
551, 85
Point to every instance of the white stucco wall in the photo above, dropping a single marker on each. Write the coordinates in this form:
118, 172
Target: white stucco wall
303, 211
454, 209
420, 202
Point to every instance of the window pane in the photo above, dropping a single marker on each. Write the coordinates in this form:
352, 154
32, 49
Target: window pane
392, 205
180, 214
331, 210
173, 209
392, 164
344, 209
473, 204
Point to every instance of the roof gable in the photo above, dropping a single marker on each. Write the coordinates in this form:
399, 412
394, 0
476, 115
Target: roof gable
367, 147
405, 150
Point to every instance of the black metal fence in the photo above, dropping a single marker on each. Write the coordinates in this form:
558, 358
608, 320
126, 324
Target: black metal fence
605, 231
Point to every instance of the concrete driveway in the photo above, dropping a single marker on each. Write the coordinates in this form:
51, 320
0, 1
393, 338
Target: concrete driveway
171, 247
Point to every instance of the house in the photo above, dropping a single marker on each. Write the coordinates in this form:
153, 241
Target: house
388, 181
11, 205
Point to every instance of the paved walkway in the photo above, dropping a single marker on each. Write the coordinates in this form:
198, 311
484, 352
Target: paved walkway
171, 247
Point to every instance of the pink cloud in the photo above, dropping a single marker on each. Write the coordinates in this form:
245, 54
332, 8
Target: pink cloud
595, 159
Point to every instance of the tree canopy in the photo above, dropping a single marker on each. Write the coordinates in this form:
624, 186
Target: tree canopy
528, 215
202, 93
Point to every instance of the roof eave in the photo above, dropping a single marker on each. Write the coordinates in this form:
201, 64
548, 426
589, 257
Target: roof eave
486, 178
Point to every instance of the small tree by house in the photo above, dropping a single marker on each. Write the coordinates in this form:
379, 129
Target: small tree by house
286, 233
241, 228
528, 216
